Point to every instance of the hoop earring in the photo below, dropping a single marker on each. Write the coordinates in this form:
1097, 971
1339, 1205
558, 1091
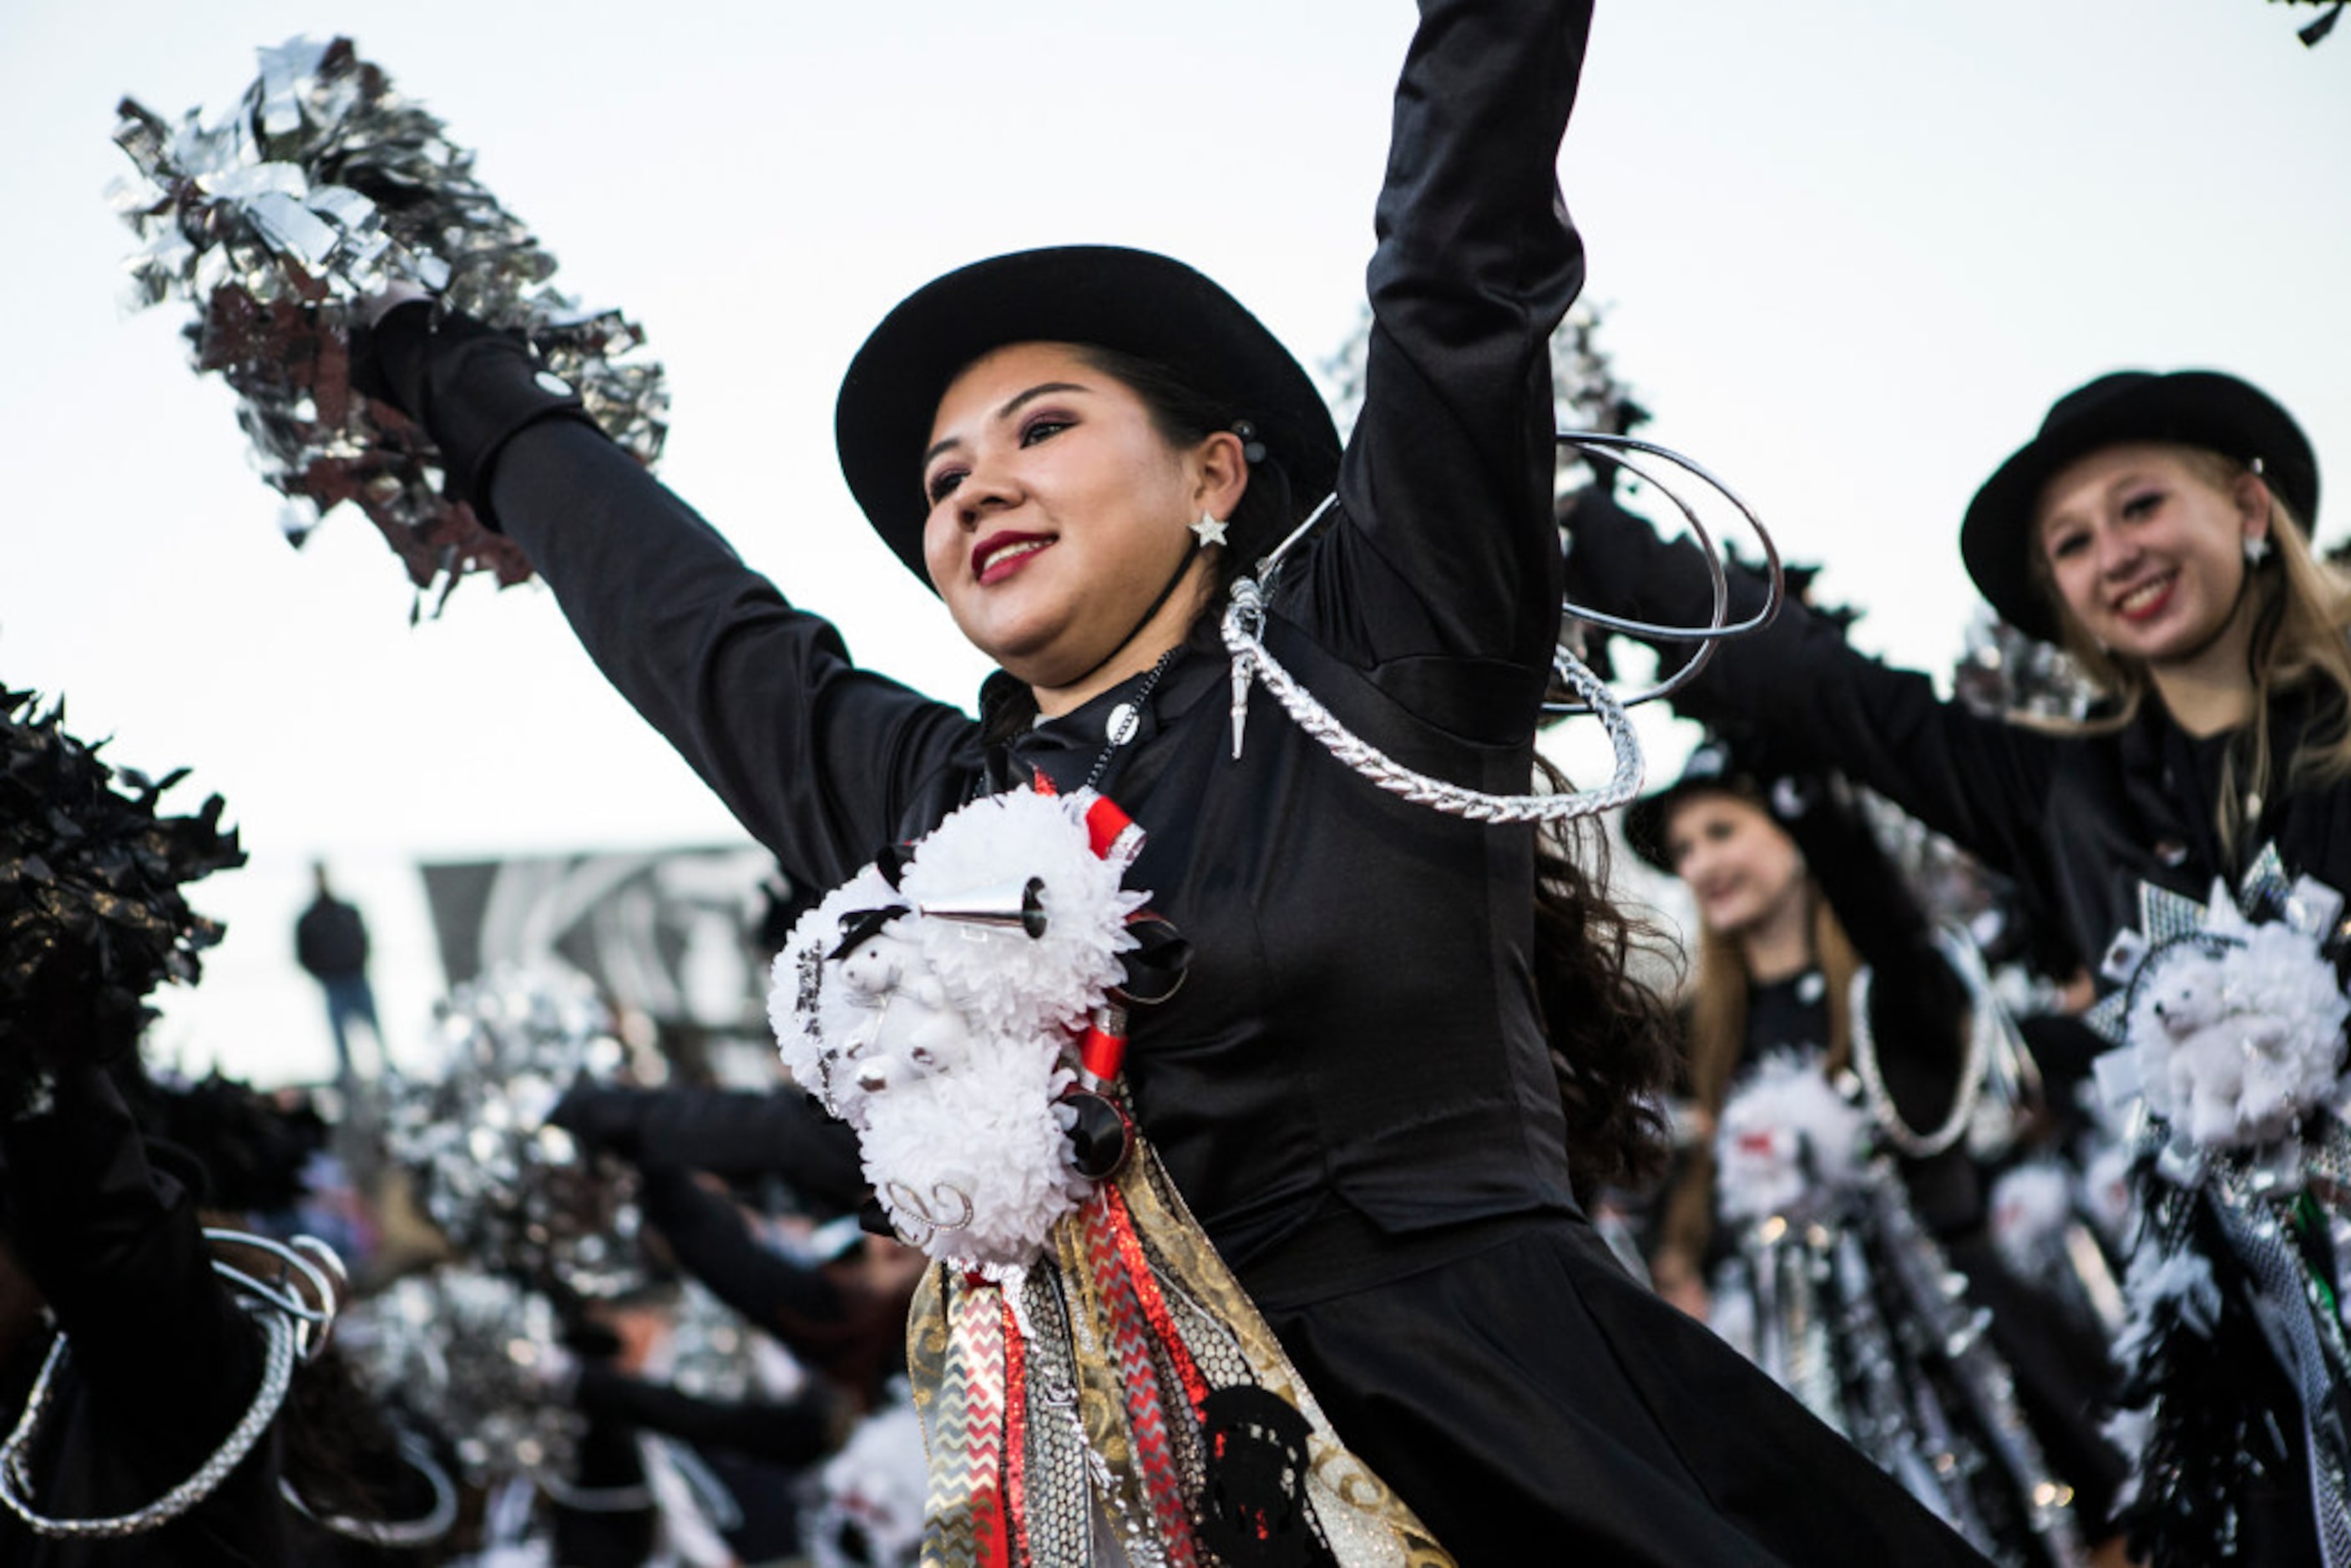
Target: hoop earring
1208, 530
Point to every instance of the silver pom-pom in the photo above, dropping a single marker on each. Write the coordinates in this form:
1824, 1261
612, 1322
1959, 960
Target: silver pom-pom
513, 1194
711, 1348
477, 1360
323, 187
2003, 672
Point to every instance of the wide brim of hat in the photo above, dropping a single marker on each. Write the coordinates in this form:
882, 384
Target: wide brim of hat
2190, 408
1131, 301
1645, 819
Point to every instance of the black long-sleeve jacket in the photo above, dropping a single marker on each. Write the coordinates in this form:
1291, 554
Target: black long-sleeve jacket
853, 1335
793, 1434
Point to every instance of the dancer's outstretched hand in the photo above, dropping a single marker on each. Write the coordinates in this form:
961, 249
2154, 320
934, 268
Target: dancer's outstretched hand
371, 308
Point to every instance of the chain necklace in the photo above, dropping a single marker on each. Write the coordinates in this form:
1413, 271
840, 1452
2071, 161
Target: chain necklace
1126, 718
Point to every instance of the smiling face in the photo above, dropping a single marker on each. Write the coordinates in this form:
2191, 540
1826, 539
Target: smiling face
2146, 551
1739, 865
1058, 513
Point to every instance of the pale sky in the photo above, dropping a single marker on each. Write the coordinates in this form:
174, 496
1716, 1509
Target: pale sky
1850, 251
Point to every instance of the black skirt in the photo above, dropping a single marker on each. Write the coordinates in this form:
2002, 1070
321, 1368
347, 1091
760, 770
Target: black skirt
1533, 1404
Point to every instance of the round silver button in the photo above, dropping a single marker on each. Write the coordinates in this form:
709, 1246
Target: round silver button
549, 382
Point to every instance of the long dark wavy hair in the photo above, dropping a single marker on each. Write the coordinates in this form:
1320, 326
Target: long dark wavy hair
1610, 1032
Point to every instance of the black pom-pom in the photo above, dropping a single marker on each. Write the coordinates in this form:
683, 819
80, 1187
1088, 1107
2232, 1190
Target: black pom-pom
255, 1151
91, 918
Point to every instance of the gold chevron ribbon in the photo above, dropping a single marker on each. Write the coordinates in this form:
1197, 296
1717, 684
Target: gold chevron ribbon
1072, 1407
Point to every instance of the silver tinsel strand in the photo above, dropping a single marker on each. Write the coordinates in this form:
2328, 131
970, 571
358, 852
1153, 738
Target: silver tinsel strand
1856, 1311
323, 187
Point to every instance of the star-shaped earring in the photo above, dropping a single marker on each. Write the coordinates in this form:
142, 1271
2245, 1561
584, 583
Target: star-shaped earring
1208, 530
2257, 549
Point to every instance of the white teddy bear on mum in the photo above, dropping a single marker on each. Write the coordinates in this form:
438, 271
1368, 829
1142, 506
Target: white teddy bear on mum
935, 1013
2237, 1034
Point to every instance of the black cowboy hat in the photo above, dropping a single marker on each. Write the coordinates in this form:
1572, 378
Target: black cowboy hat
1742, 767
2190, 408
1712, 769
1129, 301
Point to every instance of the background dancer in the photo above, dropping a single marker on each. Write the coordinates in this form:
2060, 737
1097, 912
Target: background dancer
1795, 898
2156, 526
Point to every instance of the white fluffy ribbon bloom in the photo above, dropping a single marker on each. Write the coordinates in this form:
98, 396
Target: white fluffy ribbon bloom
2234, 1044
2182, 1279
944, 1041
874, 1489
1787, 1144
2031, 1206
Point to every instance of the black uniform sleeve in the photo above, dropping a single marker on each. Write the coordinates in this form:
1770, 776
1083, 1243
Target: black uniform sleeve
609, 1519
1980, 782
732, 1133
816, 758
1449, 550
157, 1342
714, 1243
1917, 1004
784, 1134
785, 1434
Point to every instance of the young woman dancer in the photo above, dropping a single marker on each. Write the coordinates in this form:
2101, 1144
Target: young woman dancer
1406, 1036
1796, 902
2156, 526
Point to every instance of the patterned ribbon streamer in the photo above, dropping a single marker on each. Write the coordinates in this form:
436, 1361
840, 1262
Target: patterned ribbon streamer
1122, 1396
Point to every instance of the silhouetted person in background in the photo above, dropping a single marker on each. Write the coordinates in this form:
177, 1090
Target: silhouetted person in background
330, 941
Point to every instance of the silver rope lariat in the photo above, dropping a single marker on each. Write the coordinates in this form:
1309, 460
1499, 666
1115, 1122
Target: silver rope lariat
1253, 664
293, 1330
1244, 629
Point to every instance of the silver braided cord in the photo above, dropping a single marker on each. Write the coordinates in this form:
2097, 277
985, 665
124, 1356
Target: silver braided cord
1252, 664
634, 1498
1612, 449
293, 1330
392, 1533
1986, 1019
308, 1256
16, 1471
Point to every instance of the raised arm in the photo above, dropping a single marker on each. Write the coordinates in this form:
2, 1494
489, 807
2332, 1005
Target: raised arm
815, 757
1448, 477
733, 1134
1917, 1004
170, 1361
1980, 782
